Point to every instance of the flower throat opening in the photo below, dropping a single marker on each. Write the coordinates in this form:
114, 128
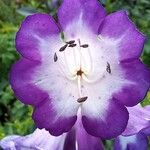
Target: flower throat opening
75, 64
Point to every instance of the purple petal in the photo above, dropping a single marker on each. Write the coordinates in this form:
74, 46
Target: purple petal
105, 121
86, 141
146, 130
39, 139
139, 119
119, 27
21, 82
36, 85
135, 90
45, 116
8, 143
134, 142
89, 13
33, 29
70, 141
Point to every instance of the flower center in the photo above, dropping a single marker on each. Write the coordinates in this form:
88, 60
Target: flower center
75, 62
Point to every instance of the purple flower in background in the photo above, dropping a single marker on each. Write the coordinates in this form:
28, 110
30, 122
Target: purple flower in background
134, 142
75, 139
87, 60
39, 139
138, 128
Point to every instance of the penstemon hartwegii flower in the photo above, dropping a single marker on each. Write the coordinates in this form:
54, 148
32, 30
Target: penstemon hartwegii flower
86, 61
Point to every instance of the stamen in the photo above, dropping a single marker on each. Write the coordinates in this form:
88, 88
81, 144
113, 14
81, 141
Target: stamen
67, 64
82, 61
75, 59
66, 73
71, 42
63, 48
72, 45
90, 70
63, 69
91, 81
82, 99
55, 57
84, 45
108, 69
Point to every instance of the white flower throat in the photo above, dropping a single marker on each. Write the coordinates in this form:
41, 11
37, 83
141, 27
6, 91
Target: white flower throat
77, 64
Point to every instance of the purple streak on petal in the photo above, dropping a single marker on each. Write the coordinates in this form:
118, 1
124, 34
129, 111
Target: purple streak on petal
118, 26
37, 25
136, 72
39, 139
91, 10
20, 80
86, 141
139, 119
45, 116
111, 126
134, 142
70, 141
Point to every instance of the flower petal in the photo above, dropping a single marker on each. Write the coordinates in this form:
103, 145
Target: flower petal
139, 119
146, 131
8, 143
137, 142
118, 27
44, 87
85, 140
33, 29
21, 82
70, 141
138, 76
39, 139
84, 12
101, 119
46, 116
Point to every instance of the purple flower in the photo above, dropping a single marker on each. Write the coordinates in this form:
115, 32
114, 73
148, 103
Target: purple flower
134, 142
138, 128
75, 139
86, 61
39, 139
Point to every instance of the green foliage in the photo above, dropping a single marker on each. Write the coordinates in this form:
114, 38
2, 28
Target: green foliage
139, 11
146, 101
15, 118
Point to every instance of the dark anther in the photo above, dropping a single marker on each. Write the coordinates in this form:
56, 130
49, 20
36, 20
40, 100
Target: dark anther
108, 69
63, 48
84, 45
79, 73
72, 45
82, 99
71, 42
55, 57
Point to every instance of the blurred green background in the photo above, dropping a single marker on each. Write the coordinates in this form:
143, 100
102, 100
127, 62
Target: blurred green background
15, 118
